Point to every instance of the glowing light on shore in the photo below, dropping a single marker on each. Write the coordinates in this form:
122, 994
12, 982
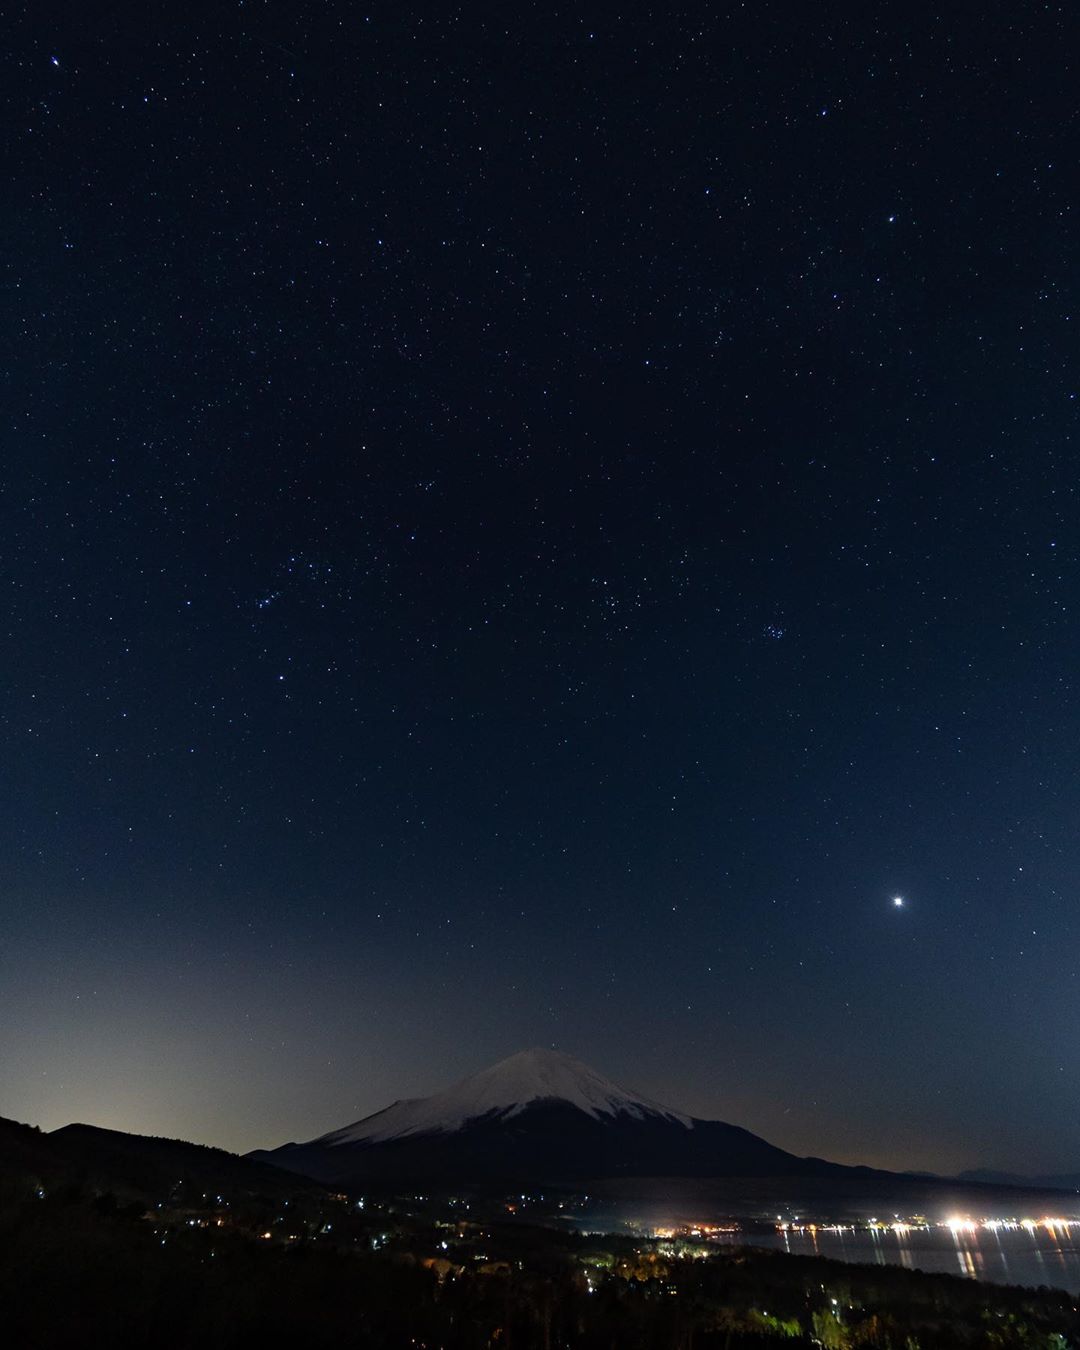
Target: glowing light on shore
959, 1225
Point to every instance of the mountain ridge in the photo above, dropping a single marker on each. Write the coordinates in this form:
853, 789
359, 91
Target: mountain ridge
505, 1089
1059, 1181
150, 1166
538, 1115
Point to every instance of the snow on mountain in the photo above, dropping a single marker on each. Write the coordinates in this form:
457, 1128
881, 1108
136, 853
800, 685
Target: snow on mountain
504, 1090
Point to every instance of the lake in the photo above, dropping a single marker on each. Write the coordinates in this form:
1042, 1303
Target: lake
980, 1232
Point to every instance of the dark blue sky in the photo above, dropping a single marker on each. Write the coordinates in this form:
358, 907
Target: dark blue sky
532, 527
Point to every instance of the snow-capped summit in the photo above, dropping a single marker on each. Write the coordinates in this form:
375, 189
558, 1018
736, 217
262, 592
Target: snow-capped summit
539, 1116
502, 1092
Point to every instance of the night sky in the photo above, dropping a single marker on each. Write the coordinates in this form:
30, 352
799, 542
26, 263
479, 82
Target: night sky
530, 527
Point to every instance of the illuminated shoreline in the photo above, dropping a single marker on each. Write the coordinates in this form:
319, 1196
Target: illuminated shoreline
956, 1225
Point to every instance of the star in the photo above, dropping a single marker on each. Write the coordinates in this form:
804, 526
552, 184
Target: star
898, 901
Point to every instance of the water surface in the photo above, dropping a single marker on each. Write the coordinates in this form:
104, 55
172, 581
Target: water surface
987, 1232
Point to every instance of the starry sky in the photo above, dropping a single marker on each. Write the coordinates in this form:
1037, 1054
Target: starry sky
530, 526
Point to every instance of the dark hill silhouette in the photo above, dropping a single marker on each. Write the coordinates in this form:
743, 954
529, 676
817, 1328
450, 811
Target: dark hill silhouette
148, 1165
134, 1166
1061, 1181
28, 1155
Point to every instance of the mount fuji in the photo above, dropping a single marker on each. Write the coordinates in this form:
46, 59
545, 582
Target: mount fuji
539, 1116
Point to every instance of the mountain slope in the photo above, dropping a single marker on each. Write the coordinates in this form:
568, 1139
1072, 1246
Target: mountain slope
1068, 1181
504, 1090
29, 1158
132, 1165
146, 1165
537, 1116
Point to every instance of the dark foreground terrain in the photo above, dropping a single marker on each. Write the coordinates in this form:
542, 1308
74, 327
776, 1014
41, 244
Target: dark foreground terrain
270, 1262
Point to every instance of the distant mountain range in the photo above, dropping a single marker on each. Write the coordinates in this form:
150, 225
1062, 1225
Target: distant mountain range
538, 1116
1063, 1181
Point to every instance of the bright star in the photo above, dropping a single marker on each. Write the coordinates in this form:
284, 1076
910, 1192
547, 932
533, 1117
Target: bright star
898, 901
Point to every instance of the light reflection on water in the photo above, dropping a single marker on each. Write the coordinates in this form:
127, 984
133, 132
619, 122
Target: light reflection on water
1040, 1254
1033, 1252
